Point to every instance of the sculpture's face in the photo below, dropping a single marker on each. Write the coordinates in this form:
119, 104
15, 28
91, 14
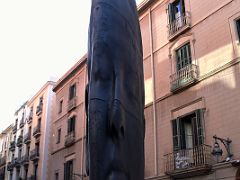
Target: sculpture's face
116, 93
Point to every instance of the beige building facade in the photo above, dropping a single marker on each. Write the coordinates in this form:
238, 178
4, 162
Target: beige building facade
29, 139
5, 138
192, 72
68, 125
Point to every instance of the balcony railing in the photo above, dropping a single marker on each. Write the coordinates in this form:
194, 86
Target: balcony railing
14, 130
12, 146
19, 141
25, 159
189, 162
3, 161
179, 25
27, 138
72, 103
29, 118
10, 165
34, 155
184, 77
37, 131
21, 123
70, 139
39, 109
17, 162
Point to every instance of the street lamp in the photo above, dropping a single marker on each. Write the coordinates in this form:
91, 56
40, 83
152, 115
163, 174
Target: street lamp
217, 151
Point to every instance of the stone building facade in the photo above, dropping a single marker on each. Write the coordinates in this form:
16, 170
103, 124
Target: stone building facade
68, 126
5, 138
29, 138
192, 72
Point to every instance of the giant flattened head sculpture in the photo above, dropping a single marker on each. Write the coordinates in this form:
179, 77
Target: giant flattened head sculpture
115, 93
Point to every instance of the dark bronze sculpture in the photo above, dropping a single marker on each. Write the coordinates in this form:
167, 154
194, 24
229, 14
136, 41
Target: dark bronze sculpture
115, 94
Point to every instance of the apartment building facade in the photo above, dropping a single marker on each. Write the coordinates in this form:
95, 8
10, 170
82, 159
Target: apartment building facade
16, 143
5, 138
29, 146
68, 126
191, 65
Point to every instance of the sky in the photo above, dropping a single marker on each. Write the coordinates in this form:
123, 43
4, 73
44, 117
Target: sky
39, 41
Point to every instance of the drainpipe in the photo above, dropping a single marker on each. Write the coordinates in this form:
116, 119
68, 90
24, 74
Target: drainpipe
154, 96
84, 123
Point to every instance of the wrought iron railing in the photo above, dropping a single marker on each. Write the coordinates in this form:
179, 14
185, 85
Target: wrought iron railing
21, 122
27, 138
184, 77
25, 159
72, 103
19, 141
37, 130
188, 158
34, 154
12, 146
17, 162
29, 118
39, 109
180, 23
70, 138
14, 130
10, 165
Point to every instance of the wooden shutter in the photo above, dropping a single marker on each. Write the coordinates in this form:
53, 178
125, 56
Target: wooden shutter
176, 135
182, 7
198, 135
238, 28
69, 126
65, 171
73, 123
170, 13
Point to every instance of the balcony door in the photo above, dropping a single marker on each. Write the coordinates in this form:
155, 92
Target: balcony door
188, 131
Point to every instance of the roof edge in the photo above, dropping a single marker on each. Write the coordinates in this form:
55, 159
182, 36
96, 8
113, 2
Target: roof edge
71, 72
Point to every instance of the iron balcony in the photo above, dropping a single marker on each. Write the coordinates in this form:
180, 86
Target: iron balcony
30, 117
25, 159
12, 146
72, 103
27, 138
10, 165
189, 162
37, 131
184, 77
34, 155
19, 141
14, 130
69, 139
39, 109
179, 25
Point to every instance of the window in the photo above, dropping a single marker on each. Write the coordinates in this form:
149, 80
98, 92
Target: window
188, 131
238, 28
56, 176
176, 10
68, 170
72, 91
60, 106
35, 171
71, 125
183, 56
58, 136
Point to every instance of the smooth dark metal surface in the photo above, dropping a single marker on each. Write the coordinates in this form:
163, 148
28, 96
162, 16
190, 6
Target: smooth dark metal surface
115, 94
